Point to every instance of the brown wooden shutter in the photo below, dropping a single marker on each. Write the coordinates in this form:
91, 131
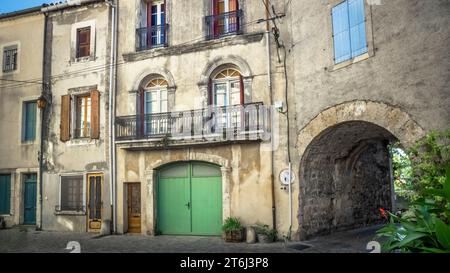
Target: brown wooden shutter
210, 92
65, 118
241, 86
95, 114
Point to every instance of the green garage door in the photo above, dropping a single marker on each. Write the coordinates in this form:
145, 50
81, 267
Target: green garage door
189, 199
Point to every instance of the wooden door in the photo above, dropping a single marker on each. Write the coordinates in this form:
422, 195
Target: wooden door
190, 199
95, 203
134, 207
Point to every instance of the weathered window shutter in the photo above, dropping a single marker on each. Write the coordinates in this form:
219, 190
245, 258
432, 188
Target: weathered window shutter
341, 33
210, 92
241, 86
149, 23
65, 118
357, 23
95, 114
5, 194
140, 112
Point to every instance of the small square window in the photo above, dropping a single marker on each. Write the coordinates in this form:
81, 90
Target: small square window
10, 58
72, 193
84, 42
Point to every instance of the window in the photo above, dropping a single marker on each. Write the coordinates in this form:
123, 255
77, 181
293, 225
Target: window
29, 121
9, 58
349, 30
155, 102
83, 42
227, 92
5, 193
225, 18
71, 193
83, 116
227, 88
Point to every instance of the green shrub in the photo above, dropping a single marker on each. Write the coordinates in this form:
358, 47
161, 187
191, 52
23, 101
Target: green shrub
425, 226
231, 224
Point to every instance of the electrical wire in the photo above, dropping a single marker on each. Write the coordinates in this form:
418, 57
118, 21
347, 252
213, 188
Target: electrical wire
103, 67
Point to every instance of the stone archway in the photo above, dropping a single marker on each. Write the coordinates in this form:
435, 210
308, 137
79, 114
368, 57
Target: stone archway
345, 168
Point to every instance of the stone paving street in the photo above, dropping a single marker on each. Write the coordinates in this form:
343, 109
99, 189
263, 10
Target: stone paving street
28, 240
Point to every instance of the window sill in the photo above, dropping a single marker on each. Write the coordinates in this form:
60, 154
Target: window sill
356, 59
75, 213
83, 60
82, 141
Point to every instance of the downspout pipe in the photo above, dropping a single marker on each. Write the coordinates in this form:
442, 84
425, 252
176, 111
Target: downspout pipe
112, 101
45, 85
269, 85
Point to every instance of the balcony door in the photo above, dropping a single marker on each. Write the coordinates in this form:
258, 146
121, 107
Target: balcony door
226, 21
227, 92
156, 23
155, 107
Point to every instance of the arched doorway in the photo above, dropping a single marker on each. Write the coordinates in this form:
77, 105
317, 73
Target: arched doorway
345, 178
189, 199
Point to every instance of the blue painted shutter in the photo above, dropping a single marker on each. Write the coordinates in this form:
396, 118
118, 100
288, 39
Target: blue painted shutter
357, 27
341, 33
29, 121
5, 194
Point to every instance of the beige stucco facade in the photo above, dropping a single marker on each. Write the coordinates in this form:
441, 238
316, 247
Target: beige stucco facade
76, 77
19, 157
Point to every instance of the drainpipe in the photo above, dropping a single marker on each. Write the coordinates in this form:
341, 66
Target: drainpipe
112, 101
269, 84
43, 109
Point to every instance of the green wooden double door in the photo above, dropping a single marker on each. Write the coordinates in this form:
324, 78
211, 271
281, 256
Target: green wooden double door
189, 199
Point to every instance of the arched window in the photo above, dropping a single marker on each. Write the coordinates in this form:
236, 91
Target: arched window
227, 88
155, 96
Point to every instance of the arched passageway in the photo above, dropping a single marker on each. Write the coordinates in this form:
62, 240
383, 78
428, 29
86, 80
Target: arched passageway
345, 178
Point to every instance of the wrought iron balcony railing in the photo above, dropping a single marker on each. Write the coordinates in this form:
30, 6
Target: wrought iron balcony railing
249, 121
151, 37
223, 24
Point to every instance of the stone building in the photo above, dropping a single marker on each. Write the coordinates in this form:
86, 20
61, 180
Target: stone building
192, 129
76, 193
362, 74
213, 100
21, 60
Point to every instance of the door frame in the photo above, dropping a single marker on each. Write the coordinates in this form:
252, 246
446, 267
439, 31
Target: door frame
126, 184
88, 229
23, 192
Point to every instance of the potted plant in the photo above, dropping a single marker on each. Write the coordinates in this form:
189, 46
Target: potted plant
233, 230
266, 234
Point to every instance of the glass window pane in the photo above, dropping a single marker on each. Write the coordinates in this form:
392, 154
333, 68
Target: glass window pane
174, 171
71, 192
205, 170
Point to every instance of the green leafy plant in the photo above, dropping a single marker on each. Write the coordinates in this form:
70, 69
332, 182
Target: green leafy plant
424, 228
232, 224
271, 233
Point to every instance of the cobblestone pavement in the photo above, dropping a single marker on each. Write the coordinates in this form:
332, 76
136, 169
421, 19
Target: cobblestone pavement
23, 239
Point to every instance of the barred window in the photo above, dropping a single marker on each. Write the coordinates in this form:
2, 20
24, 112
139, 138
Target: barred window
71, 193
9, 58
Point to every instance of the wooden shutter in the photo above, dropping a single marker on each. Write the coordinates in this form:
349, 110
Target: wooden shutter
357, 21
65, 118
149, 23
241, 86
233, 5
84, 42
140, 111
341, 33
95, 114
210, 92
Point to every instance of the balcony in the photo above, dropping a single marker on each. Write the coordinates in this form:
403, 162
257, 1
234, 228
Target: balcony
209, 125
151, 37
224, 24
